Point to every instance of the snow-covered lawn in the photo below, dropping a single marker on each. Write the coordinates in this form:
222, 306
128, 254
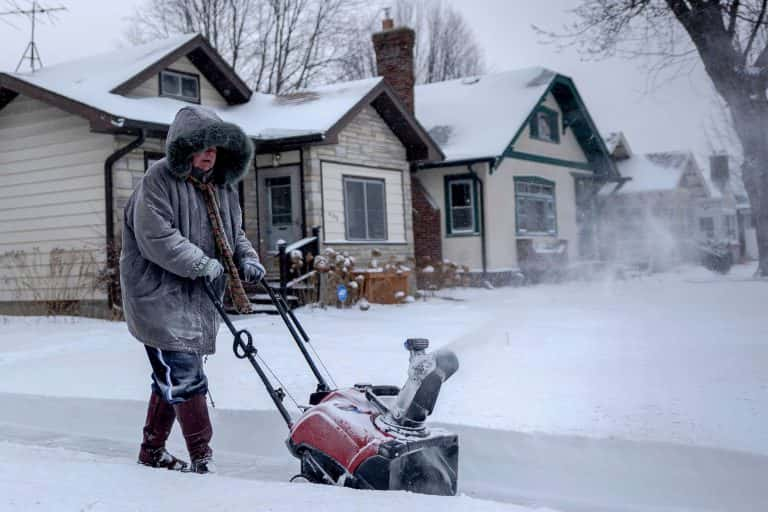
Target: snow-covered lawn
598, 374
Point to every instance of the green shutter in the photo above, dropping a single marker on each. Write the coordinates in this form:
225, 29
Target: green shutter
554, 126
535, 125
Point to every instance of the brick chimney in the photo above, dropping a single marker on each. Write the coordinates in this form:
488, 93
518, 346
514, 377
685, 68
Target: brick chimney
394, 58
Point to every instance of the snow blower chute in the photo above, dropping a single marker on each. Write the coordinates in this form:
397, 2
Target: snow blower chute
367, 436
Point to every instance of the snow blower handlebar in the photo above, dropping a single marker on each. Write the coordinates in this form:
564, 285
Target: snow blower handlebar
243, 348
295, 328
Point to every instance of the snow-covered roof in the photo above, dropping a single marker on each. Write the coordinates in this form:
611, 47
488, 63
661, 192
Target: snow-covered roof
476, 117
82, 78
89, 81
309, 111
652, 172
617, 145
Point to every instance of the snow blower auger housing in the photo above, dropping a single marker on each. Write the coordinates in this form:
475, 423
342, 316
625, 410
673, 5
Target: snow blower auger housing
367, 436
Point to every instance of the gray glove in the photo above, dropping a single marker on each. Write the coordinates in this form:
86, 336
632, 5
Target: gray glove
212, 269
253, 271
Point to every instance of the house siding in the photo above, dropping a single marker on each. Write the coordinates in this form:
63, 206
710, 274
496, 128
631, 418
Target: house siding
368, 143
126, 174
209, 96
52, 168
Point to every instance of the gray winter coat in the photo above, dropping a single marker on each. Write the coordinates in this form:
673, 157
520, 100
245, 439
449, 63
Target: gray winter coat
167, 236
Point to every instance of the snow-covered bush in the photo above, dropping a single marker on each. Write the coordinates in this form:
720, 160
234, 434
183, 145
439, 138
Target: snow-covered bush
433, 276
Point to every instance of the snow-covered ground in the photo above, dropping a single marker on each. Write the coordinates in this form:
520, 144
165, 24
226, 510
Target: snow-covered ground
645, 394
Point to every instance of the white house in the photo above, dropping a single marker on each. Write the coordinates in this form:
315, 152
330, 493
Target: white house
523, 163
668, 203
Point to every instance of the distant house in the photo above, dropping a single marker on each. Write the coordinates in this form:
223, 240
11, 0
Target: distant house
75, 139
524, 161
668, 203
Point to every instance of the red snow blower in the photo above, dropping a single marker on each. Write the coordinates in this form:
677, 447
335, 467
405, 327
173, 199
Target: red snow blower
364, 437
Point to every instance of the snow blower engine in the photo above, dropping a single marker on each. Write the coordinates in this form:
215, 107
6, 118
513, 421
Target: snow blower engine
367, 436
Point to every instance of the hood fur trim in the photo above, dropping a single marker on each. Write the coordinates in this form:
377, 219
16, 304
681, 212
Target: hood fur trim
196, 129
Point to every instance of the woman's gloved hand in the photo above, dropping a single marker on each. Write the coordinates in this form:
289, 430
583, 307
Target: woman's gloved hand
212, 270
253, 271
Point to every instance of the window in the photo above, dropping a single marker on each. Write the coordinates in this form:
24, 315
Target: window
535, 206
545, 125
183, 86
707, 226
730, 226
279, 206
365, 209
461, 202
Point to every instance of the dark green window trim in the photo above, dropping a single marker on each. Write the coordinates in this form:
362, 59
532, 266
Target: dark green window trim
447, 180
536, 181
547, 160
552, 118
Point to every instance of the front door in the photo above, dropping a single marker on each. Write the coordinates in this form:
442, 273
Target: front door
280, 200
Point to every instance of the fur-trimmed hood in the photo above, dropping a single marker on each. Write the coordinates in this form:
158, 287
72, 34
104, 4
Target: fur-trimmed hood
195, 129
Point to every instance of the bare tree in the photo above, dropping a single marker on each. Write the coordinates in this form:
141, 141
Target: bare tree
275, 45
730, 38
445, 46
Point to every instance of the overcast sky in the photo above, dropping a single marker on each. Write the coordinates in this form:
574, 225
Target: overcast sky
670, 116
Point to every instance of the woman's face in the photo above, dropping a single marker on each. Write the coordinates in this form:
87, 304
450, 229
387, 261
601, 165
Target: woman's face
205, 159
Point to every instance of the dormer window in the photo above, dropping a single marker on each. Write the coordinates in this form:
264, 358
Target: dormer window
545, 125
182, 86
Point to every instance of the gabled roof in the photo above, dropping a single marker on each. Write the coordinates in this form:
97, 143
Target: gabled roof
481, 117
659, 172
218, 72
475, 117
618, 146
93, 88
120, 71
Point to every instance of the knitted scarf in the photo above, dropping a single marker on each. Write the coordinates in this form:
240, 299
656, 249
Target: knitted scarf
235, 285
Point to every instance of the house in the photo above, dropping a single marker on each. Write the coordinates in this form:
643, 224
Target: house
667, 204
523, 162
725, 214
75, 139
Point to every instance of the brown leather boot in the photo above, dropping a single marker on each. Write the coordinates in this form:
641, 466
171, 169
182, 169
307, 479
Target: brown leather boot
196, 427
157, 428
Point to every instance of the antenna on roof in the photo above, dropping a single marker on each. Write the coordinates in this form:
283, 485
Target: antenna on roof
31, 52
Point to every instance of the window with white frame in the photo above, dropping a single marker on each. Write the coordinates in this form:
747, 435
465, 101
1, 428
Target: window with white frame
461, 198
535, 206
365, 208
182, 86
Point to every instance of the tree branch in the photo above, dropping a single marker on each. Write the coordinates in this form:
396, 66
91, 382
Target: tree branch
755, 30
733, 16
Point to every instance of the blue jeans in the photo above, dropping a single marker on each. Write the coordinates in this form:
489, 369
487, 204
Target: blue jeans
177, 376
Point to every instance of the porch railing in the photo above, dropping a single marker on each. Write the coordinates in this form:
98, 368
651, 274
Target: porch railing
290, 273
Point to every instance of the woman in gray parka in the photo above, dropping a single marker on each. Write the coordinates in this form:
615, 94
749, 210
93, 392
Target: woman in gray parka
182, 225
